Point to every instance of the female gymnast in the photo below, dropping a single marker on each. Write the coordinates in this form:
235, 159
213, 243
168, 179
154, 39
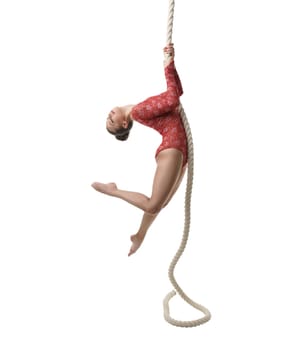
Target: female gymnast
160, 113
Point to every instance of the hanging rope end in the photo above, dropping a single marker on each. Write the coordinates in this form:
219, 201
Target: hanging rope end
187, 324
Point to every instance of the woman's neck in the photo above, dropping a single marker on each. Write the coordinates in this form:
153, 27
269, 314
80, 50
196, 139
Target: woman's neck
127, 111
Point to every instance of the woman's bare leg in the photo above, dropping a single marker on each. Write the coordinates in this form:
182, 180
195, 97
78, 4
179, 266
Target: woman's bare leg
167, 178
169, 165
148, 219
137, 199
138, 238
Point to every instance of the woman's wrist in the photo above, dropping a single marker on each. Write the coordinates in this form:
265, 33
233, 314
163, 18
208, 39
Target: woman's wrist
167, 61
168, 54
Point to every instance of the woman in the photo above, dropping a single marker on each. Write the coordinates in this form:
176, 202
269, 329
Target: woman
160, 113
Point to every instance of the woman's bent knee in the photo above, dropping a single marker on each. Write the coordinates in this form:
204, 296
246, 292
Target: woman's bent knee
153, 209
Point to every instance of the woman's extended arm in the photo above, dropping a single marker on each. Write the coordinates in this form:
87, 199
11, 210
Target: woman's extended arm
166, 101
172, 77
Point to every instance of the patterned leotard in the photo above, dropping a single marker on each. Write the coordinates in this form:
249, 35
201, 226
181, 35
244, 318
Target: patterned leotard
161, 113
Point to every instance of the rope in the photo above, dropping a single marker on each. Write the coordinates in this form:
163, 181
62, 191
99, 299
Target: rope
187, 220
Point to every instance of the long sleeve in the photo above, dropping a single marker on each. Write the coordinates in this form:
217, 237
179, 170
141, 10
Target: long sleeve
173, 80
167, 101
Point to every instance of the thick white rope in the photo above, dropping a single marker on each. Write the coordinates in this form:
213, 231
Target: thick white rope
187, 220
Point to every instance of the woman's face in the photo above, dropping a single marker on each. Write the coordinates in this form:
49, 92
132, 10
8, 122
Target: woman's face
115, 119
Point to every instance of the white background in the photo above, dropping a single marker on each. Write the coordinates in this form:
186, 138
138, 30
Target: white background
65, 279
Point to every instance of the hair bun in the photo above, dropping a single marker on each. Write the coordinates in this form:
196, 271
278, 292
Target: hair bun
123, 136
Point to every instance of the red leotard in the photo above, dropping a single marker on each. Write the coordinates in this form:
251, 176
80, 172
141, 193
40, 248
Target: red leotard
161, 113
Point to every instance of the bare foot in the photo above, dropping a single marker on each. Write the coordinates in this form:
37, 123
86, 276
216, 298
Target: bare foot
105, 188
136, 243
